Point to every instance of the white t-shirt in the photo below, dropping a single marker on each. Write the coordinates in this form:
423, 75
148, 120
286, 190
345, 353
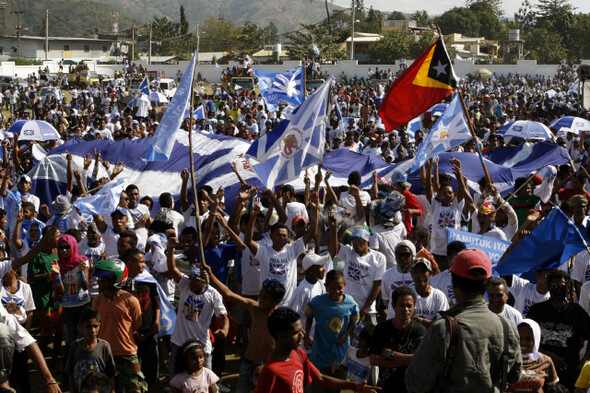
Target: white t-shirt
442, 281
19, 302
281, 265
93, 254
347, 201
359, 370
511, 314
585, 297
110, 238
251, 267
385, 240
360, 272
136, 213
581, 269
302, 295
393, 279
427, 307
159, 243
525, 294
293, 210
494, 231
194, 314
442, 217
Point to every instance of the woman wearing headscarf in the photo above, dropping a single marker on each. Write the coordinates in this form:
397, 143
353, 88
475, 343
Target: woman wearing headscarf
538, 371
70, 282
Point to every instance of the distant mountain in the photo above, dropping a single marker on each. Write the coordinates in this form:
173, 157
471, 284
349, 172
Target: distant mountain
286, 14
77, 18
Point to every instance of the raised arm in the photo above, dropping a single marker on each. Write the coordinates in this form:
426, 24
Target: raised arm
426, 176
360, 209
333, 243
375, 186
307, 182
170, 262
239, 243
184, 203
16, 241
226, 292
278, 206
314, 218
248, 238
69, 172
330, 194
241, 199
100, 223
463, 191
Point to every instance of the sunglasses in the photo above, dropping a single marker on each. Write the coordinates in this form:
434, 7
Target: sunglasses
63, 247
403, 254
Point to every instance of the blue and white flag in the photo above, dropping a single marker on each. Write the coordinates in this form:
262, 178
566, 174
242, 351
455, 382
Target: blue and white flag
281, 87
216, 67
162, 142
143, 88
413, 126
199, 113
449, 131
104, 202
315, 48
167, 313
295, 144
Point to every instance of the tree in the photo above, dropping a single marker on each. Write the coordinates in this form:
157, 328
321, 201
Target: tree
421, 18
165, 35
396, 15
249, 39
525, 17
420, 46
546, 46
459, 20
372, 23
300, 43
490, 26
390, 48
184, 26
495, 4
579, 48
272, 32
217, 35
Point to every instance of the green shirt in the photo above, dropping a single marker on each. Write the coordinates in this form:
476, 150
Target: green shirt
522, 206
43, 294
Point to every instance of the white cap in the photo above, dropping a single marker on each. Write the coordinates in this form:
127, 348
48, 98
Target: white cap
310, 260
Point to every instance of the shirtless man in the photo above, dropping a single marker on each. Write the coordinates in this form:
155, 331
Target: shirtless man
261, 343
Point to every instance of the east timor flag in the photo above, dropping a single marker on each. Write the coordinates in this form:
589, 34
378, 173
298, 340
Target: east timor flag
429, 79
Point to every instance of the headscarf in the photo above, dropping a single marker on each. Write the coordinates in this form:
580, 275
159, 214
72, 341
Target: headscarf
409, 244
534, 355
65, 265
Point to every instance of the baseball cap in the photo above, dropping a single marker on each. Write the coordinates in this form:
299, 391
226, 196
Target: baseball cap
361, 232
469, 260
422, 261
310, 260
297, 220
486, 209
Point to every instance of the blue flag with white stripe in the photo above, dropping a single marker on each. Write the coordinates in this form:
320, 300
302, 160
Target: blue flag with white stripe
450, 130
281, 87
144, 88
104, 202
296, 144
315, 48
162, 142
167, 313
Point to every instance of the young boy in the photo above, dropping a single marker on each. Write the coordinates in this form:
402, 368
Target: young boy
198, 301
92, 248
261, 343
89, 353
336, 315
430, 301
288, 369
123, 312
311, 286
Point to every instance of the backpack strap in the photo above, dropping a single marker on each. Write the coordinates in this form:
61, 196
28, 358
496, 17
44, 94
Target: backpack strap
455, 333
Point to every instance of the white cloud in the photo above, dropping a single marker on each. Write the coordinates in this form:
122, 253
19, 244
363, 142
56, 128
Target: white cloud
437, 7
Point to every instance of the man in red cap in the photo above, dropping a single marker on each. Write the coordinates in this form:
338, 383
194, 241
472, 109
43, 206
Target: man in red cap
470, 349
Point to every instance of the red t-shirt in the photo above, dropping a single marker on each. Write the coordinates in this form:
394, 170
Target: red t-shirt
411, 203
286, 376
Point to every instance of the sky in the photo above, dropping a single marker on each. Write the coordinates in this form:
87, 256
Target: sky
437, 7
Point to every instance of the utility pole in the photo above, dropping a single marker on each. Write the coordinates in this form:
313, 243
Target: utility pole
19, 28
150, 47
47, 35
352, 36
132, 42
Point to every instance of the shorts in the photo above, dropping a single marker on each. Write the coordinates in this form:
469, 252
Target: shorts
50, 321
129, 377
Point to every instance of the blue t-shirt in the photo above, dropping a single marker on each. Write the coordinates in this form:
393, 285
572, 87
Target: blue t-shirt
331, 321
218, 257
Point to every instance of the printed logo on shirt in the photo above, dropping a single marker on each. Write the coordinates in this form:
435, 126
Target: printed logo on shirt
360, 371
11, 304
298, 381
336, 324
277, 269
192, 308
446, 219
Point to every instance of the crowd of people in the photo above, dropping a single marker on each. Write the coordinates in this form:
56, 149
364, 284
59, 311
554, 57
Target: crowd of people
331, 288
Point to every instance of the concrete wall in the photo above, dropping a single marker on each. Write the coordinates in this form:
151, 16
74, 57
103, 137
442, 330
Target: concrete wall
350, 68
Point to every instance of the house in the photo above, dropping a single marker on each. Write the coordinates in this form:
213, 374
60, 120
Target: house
272, 53
476, 48
33, 47
362, 43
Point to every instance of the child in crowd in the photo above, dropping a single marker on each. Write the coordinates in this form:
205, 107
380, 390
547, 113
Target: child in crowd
336, 315
92, 247
357, 363
191, 374
89, 353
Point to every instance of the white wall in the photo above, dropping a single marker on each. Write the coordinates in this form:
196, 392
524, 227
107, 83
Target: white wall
350, 68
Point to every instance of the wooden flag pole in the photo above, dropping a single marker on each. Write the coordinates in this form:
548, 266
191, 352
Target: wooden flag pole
192, 158
483, 164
